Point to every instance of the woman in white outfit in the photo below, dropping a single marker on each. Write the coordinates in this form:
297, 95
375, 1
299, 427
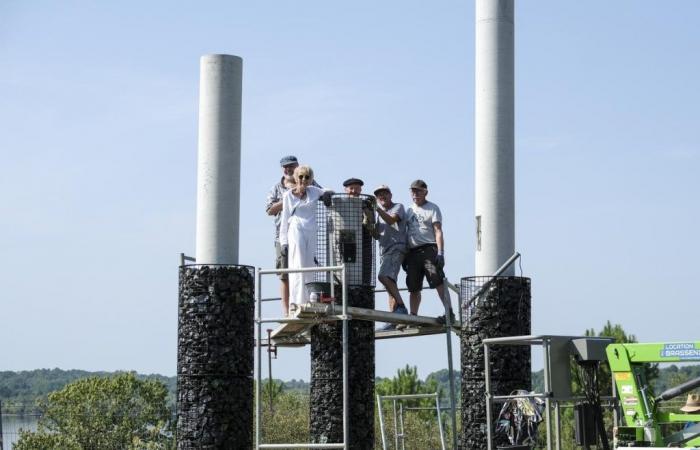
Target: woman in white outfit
298, 231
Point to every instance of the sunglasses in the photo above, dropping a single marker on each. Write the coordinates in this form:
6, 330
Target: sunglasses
304, 177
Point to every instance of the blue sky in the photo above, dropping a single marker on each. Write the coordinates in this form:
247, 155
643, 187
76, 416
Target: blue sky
98, 121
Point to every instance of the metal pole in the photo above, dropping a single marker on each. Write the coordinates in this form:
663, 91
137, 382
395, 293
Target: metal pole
403, 431
258, 336
381, 421
439, 420
269, 368
557, 426
346, 388
449, 286
487, 388
396, 427
494, 275
332, 283
547, 391
448, 334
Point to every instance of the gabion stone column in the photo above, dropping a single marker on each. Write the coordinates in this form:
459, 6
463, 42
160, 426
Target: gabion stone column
326, 402
344, 238
215, 358
502, 310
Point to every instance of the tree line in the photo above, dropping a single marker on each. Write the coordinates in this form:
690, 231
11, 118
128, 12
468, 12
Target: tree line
83, 410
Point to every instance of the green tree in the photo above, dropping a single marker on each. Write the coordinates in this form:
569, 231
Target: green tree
289, 421
406, 381
118, 412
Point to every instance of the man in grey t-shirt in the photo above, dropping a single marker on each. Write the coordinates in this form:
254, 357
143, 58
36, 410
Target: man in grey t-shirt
426, 247
391, 228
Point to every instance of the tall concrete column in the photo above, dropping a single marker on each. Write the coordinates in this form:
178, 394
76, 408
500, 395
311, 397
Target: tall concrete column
494, 135
219, 159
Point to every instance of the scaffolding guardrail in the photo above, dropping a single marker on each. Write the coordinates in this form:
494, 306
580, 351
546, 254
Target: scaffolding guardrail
549, 397
398, 435
258, 339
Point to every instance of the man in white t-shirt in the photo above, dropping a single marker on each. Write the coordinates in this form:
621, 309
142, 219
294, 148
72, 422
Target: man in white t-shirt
426, 249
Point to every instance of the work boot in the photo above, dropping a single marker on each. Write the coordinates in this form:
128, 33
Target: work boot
387, 327
441, 319
401, 309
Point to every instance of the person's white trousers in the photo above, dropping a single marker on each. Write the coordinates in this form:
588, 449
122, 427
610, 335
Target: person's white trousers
302, 248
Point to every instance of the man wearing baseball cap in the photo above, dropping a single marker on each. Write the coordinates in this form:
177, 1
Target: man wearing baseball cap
391, 231
426, 249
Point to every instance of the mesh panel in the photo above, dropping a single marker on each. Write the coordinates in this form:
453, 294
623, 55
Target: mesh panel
344, 237
322, 257
473, 289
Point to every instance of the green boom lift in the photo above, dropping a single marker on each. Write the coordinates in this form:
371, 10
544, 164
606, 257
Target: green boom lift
641, 424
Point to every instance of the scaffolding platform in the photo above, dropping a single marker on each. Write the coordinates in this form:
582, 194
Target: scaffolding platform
296, 332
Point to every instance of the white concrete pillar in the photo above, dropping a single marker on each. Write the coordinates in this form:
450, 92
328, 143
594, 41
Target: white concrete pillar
494, 135
219, 159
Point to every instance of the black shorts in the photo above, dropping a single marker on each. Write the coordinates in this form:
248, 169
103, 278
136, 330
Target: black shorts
281, 262
420, 262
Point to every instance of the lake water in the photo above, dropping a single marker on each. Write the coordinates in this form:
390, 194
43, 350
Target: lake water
11, 425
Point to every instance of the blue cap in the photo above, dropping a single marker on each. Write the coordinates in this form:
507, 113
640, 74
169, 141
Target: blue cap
287, 160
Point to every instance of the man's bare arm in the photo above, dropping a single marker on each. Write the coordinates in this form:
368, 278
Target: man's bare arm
439, 238
390, 219
274, 209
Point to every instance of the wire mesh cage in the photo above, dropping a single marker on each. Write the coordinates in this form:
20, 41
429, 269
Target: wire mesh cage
345, 230
474, 290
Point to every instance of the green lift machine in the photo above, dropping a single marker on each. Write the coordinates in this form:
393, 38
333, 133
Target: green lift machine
641, 424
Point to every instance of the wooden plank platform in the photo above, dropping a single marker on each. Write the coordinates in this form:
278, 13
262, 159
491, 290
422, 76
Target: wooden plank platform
295, 333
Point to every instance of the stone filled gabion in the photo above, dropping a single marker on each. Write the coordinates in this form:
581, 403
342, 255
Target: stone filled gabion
503, 310
215, 357
326, 390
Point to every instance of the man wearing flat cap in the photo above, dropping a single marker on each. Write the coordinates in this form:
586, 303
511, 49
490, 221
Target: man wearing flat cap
273, 207
426, 249
353, 186
391, 233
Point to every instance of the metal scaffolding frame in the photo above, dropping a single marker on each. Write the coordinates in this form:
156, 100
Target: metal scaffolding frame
548, 396
258, 344
398, 435
312, 313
